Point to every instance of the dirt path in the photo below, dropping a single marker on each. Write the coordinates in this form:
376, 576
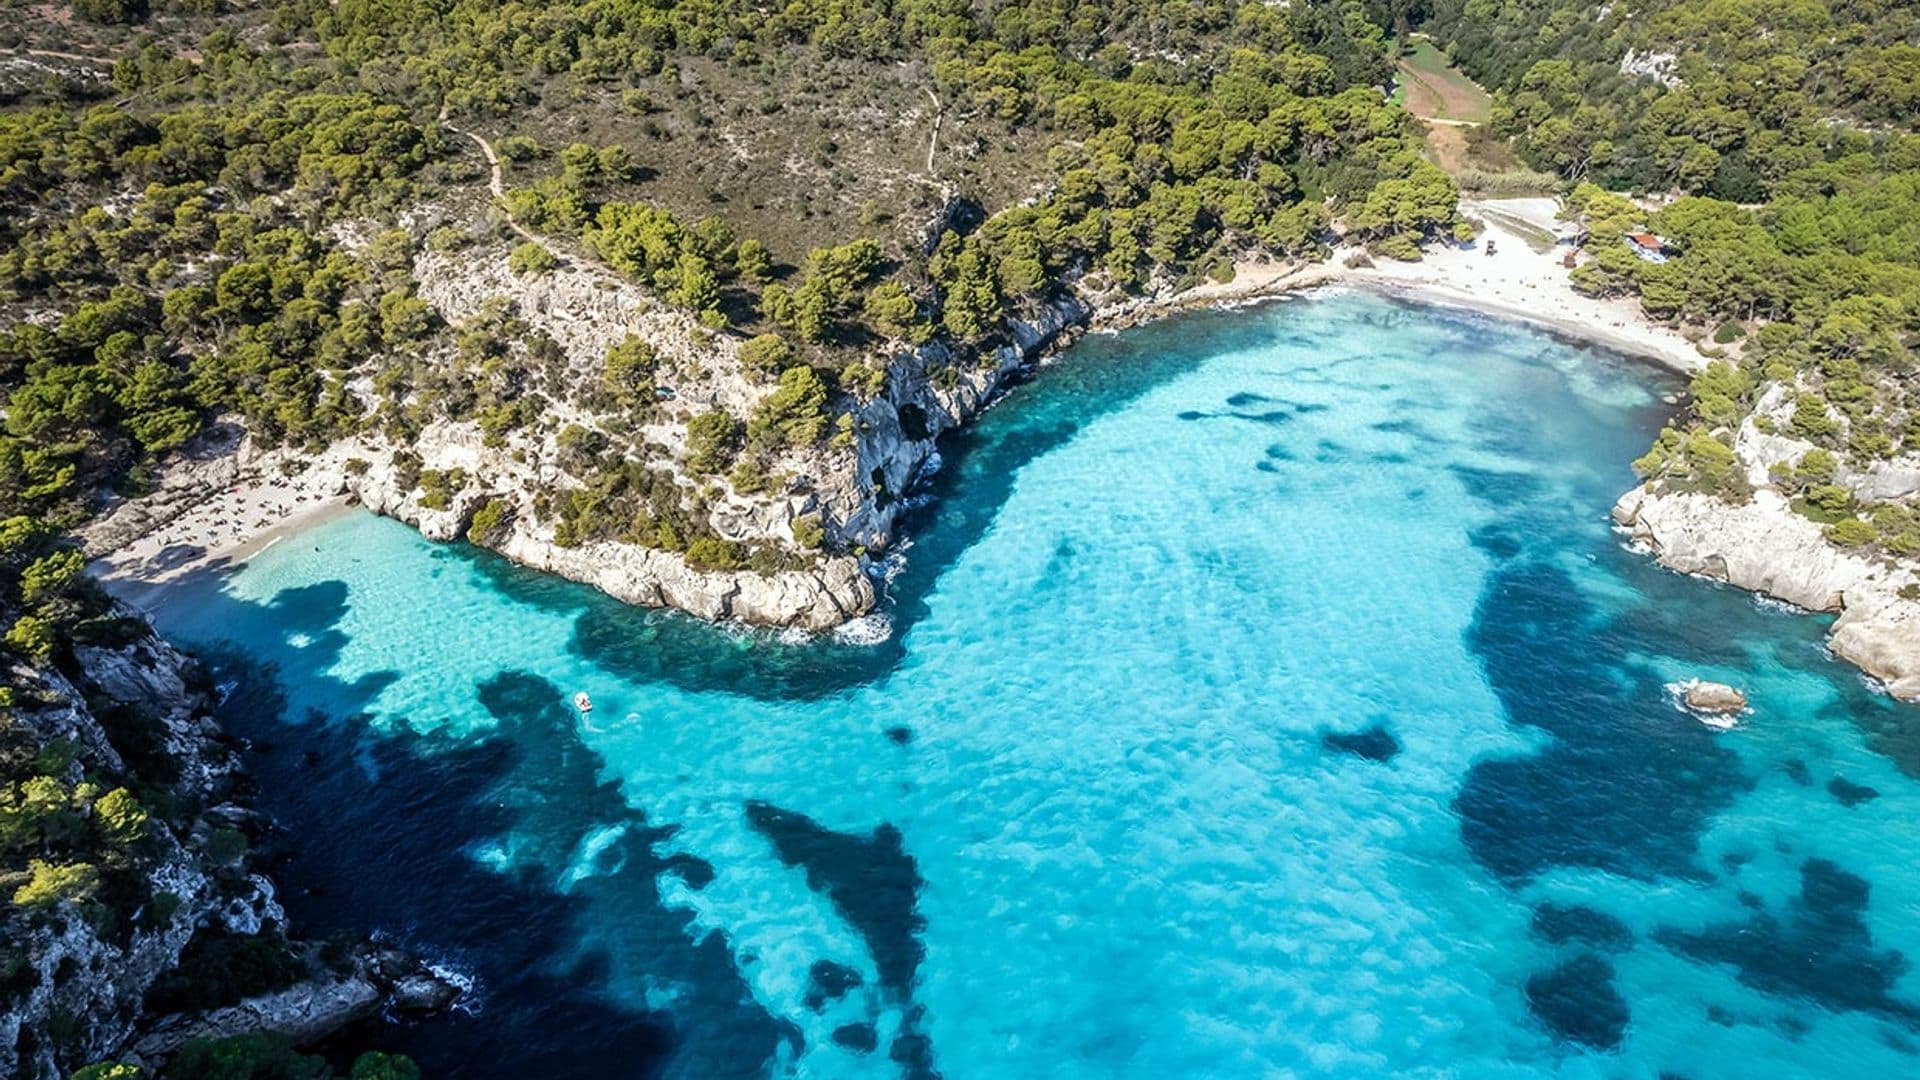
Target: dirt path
933, 141
496, 181
76, 57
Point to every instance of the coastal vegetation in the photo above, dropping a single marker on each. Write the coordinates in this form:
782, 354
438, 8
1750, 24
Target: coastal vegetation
220, 233
1776, 144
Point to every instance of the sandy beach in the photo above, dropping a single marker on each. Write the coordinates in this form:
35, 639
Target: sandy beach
1515, 282
208, 518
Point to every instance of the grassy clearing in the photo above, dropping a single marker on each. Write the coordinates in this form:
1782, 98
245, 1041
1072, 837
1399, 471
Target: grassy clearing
796, 152
1438, 91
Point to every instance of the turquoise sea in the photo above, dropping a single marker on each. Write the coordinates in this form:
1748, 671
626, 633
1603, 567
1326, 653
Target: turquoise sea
1266, 695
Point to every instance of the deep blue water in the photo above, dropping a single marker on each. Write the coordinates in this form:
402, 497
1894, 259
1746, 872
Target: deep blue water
1267, 694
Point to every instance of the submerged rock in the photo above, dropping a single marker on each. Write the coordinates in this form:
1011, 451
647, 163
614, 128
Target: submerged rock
1578, 1002
1373, 744
859, 1038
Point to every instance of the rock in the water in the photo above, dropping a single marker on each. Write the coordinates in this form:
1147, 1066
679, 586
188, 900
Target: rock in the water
1713, 697
1763, 545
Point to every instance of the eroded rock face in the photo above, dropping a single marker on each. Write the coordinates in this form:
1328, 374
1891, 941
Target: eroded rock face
82, 987
311, 1010
1765, 547
75, 969
856, 493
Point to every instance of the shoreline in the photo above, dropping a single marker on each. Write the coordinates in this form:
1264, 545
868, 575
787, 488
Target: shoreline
211, 522
213, 514
1514, 283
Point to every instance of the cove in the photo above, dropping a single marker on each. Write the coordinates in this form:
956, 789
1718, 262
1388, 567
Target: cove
1267, 693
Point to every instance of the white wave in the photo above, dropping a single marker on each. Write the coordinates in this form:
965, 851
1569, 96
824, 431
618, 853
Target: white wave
890, 564
869, 629
469, 1001
1774, 603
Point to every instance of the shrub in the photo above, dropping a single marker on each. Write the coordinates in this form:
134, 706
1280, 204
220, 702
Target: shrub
809, 532
752, 261
218, 968
629, 371
864, 381
518, 148
261, 1055
1728, 332
110, 1070
767, 353
1852, 532
437, 487
1831, 499
1400, 246
794, 415
226, 847
750, 476
714, 553
531, 259
374, 1065
1816, 466
52, 884
32, 637
121, 818
486, 521
712, 438
1811, 419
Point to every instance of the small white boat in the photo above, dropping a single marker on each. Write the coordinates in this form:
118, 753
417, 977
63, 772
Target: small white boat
582, 702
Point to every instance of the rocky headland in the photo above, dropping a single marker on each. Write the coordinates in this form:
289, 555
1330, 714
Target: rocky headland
121, 956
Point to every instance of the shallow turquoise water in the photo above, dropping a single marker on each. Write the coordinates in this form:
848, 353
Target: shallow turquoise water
1267, 695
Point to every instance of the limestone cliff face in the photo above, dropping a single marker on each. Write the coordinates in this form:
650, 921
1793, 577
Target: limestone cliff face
929, 391
82, 973
1766, 547
854, 491
76, 970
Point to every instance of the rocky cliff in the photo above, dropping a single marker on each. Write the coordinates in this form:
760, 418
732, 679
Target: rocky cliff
852, 486
1764, 546
81, 965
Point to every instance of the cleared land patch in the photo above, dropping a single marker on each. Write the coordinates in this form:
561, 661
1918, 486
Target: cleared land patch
1436, 90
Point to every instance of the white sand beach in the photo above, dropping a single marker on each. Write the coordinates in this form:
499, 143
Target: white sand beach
1516, 281
210, 516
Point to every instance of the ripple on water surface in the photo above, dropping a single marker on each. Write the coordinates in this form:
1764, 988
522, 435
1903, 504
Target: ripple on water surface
1266, 693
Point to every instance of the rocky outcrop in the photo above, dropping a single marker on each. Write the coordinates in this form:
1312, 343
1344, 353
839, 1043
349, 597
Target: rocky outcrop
1653, 64
1764, 546
1713, 697
79, 973
930, 390
830, 593
310, 1010
75, 970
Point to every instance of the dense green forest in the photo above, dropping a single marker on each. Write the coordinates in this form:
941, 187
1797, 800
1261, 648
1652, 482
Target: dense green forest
169, 260
1782, 131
